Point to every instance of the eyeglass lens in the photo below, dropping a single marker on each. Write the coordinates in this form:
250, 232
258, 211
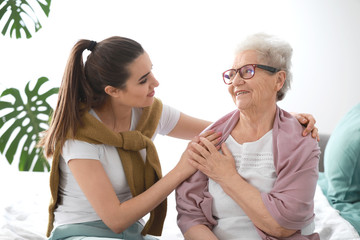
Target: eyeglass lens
246, 72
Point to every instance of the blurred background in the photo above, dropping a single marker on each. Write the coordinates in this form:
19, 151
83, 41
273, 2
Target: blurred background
192, 42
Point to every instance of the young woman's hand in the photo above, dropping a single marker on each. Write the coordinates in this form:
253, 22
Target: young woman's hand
308, 121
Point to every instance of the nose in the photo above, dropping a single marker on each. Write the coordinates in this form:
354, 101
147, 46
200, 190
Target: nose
238, 80
155, 83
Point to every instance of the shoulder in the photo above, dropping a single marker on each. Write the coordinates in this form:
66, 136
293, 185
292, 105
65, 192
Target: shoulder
287, 122
287, 126
289, 143
166, 112
81, 150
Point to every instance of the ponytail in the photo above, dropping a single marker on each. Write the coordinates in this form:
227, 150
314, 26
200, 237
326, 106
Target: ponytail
82, 86
70, 104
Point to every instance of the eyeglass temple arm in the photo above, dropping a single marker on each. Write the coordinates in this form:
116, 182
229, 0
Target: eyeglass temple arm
267, 68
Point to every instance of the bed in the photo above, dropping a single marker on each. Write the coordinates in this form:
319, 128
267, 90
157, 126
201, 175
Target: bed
25, 197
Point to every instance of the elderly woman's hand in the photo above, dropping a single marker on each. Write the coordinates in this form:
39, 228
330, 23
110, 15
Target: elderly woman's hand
184, 165
309, 121
216, 165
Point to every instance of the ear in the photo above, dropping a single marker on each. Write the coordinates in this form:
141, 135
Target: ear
280, 80
111, 91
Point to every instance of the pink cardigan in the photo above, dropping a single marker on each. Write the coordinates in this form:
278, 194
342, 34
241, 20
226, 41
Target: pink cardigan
290, 201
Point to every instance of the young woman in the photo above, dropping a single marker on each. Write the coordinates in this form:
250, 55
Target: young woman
105, 173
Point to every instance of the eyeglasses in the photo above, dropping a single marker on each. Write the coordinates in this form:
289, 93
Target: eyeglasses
245, 72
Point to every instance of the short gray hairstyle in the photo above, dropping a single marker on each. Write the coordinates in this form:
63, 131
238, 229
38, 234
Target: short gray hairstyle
271, 51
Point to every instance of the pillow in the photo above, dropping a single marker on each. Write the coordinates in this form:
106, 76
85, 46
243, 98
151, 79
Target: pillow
342, 167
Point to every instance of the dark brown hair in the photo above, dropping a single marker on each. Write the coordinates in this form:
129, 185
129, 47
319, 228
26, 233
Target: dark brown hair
82, 86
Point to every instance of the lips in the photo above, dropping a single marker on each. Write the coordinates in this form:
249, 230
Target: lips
151, 94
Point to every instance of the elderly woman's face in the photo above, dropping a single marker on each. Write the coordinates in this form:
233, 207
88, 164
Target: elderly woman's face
256, 93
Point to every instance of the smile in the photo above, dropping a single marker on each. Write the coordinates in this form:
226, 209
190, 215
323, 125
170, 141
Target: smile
241, 93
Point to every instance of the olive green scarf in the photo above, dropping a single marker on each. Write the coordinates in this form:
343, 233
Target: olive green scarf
140, 176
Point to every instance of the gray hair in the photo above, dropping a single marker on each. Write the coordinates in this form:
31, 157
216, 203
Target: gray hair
271, 51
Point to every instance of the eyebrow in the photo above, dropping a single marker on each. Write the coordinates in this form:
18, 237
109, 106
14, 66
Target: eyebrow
144, 76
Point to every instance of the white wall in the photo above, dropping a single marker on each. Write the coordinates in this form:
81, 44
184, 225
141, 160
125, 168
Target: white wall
191, 43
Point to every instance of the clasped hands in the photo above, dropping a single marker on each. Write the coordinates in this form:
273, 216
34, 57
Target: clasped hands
203, 154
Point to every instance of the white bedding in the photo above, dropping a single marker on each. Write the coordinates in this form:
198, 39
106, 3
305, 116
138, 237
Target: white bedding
25, 196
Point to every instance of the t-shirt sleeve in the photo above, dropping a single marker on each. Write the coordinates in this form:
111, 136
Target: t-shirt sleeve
169, 118
75, 149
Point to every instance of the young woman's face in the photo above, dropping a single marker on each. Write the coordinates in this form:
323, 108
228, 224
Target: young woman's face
139, 90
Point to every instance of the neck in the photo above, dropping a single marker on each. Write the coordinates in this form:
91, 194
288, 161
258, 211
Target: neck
114, 116
254, 123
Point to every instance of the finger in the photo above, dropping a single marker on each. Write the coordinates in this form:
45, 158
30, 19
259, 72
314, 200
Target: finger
214, 136
225, 150
211, 148
215, 142
207, 133
201, 150
310, 118
315, 134
195, 156
310, 127
194, 163
198, 166
300, 117
195, 139
303, 120
306, 131
228, 153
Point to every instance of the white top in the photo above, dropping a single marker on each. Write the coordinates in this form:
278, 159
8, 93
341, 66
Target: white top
73, 206
255, 163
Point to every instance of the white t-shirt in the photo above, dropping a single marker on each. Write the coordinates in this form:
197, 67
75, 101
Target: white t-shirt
73, 206
255, 163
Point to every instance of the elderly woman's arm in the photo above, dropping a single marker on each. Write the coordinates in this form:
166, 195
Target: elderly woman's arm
250, 201
221, 168
199, 232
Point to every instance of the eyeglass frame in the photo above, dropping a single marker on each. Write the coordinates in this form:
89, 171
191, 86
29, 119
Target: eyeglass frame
264, 67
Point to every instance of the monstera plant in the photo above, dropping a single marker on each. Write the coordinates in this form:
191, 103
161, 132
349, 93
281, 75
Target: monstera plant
21, 14
23, 123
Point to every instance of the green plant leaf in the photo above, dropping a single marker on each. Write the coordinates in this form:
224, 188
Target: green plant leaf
27, 120
20, 11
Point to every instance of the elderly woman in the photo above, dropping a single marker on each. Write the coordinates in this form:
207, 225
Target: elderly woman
262, 183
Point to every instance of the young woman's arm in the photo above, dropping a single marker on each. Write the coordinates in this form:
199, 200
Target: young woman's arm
118, 216
188, 127
94, 182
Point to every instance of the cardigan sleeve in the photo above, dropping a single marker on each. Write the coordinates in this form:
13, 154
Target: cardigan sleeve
194, 203
290, 201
